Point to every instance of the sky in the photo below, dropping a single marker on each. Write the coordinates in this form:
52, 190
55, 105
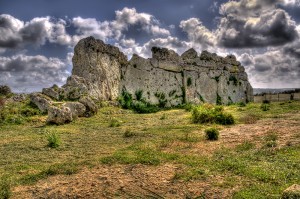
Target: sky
37, 37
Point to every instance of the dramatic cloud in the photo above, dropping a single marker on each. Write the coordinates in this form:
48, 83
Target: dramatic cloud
255, 23
197, 32
21, 71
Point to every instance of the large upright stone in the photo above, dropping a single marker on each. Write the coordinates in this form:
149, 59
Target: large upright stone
99, 64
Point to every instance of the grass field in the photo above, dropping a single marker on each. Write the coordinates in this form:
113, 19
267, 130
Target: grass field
257, 157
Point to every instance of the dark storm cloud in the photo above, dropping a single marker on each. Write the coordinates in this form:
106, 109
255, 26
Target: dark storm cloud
270, 28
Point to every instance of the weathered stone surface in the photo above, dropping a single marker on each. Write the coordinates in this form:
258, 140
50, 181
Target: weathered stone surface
91, 107
189, 54
293, 192
53, 92
99, 64
41, 101
165, 54
74, 88
77, 109
58, 115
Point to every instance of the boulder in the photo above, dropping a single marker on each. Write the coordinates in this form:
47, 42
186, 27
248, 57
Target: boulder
41, 101
58, 115
77, 109
99, 64
189, 54
165, 54
74, 88
91, 107
53, 92
293, 192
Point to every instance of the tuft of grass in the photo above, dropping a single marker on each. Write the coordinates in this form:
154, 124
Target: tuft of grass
5, 188
212, 133
245, 146
163, 117
265, 107
271, 139
128, 134
114, 123
250, 118
208, 113
53, 139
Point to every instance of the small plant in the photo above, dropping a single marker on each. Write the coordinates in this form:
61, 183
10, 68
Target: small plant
271, 139
189, 81
219, 100
212, 134
265, 107
54, 140
163, 117
114, 123
5, 188
128, 134
125, 100
139, 95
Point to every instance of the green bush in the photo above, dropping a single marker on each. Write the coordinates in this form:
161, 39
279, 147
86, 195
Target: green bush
125, 100
139, 95
211, 114
143, 107
265, 107
241, 104
212, 134
54, 140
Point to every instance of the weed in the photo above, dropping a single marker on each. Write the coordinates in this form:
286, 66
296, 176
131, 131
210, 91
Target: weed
271, 139
5, 188
125, 99
212, 134
211, 114
139, 95
189, 81
54, 140
128, 134
114, 123
163, 117
265, 107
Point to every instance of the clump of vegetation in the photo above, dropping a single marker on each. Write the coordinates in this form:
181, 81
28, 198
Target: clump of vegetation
163, 117
266, 102
5, 188
189, 81
53, 139
219, 100
241, 104
5, 90
128, 134
212, 134
139, 95
139, 106
114, 123
271, 139
208, 113
162, 101
265, 107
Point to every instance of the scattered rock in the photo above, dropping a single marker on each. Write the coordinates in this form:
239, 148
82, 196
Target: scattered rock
41, 101
91, 107
53, 92
293, 192
77, 109
19, 97
58, 115
74, 88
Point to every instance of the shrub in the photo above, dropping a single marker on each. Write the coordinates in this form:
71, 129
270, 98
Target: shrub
211, 114
143, 107
139, 95
54, 140
241, 104
265, 107
266, 102
114, 123
212, 134
249, 119
125, 99
5, 90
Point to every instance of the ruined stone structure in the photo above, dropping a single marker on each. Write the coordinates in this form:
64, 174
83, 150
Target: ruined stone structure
166, 76
102, 73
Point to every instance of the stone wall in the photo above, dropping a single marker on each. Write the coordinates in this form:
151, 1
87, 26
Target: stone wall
165, 77
187, 78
